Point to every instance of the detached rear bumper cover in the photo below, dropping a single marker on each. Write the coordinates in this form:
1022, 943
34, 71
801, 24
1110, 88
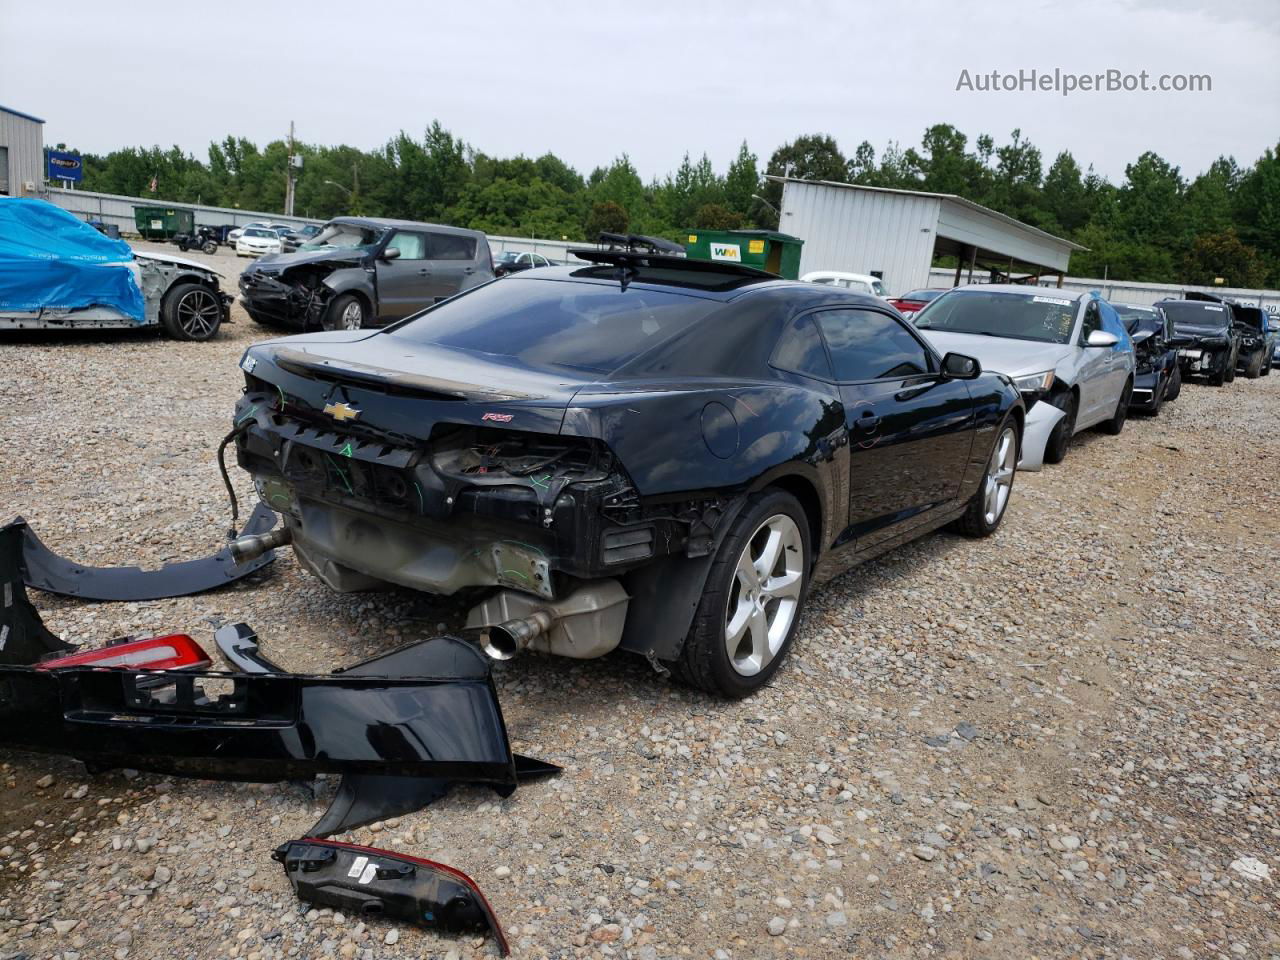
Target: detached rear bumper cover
269, 727
1041, 419
45, 570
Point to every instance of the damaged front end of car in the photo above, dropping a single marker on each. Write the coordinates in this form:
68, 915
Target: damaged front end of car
295, 290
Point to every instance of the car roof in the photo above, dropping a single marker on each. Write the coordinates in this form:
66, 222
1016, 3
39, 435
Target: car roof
383, 223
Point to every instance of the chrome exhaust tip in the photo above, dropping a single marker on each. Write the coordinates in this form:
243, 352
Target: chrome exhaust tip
248, 547
502, 641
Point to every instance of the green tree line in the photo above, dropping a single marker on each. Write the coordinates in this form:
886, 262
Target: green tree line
1158, 224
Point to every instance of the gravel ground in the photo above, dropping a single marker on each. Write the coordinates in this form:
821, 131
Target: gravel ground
1058, 742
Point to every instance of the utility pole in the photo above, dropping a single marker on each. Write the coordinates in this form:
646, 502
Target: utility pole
288, 177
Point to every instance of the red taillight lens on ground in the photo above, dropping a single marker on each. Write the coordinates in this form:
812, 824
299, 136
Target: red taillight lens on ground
172, 652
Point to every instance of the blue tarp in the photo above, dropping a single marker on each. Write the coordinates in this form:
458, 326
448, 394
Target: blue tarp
51, 260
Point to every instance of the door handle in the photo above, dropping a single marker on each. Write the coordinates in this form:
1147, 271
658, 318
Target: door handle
868, 421
423, 272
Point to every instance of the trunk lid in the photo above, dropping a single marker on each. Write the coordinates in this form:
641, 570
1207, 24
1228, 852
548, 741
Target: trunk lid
373, 382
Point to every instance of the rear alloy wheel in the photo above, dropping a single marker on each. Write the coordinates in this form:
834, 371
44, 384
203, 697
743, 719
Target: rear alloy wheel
750, 607
191, 311
987, 506
345, 313
1116, 423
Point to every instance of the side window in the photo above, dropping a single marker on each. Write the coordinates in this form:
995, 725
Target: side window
867, 345
1092, 321
445, 246
524, 258
412, 246
800, 350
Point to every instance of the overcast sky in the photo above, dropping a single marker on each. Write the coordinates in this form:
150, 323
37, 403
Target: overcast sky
652, 79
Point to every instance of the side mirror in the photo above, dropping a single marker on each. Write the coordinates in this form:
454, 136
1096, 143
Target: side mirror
1141, 335
956, 366
389, 254
1101, 338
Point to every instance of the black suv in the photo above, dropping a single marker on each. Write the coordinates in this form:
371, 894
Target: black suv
1212, 337
363, 271
1258, 339
1157, 376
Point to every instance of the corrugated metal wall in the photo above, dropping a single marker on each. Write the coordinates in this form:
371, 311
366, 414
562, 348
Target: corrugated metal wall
862, 231
1120, 291
25, 142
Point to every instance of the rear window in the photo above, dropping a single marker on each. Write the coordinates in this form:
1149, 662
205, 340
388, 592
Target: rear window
445, 246
1196, 312
550, 324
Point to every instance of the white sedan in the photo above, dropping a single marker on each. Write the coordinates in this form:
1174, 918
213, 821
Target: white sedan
256, 241
1068, 353
859, 282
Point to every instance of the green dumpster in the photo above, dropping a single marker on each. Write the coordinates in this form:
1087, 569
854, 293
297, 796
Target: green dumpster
161, 223
768, 250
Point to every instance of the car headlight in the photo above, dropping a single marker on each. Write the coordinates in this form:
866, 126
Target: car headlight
1035, 383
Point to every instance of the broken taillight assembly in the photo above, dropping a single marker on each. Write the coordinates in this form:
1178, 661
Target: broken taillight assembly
175, 651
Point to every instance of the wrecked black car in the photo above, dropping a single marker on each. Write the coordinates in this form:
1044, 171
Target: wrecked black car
649, 453
1259, 337
1157, 375
1212, 339
363, 271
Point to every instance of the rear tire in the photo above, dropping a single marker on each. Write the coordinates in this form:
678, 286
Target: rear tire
191, 311
1254, 370
346, 312
989, 502
1055, 450
746, 622
1116, 423
1175, 384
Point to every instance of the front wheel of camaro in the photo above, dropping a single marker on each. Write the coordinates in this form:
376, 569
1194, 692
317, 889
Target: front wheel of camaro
750, 607
988, 504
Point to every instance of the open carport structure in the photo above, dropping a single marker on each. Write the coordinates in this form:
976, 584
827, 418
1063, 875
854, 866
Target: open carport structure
897, 234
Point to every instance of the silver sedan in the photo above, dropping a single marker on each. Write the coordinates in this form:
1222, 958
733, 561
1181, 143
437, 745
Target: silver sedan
1068, 353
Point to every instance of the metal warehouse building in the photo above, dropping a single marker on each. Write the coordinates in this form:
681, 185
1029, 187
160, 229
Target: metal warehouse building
895, 234
21, 153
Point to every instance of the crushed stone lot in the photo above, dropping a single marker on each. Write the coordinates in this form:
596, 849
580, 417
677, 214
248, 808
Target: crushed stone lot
1063, 741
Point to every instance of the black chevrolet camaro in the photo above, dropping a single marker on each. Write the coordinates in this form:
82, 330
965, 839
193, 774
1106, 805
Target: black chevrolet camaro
648, 453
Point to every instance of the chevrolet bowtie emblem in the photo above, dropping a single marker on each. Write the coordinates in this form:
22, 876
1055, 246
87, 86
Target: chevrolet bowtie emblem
341, 411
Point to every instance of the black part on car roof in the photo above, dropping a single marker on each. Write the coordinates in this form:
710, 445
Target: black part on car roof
631, 267
639, 243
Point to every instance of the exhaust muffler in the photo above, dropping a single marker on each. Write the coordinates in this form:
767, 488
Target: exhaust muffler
588, 623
